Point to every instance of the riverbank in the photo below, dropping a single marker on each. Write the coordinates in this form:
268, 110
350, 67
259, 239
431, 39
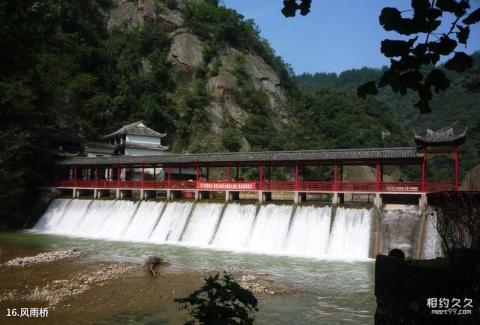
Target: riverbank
78, 288
289, 290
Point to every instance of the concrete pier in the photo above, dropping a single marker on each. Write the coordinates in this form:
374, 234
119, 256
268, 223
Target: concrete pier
264, 197
377, 200
300, 197
231, 196
338, 198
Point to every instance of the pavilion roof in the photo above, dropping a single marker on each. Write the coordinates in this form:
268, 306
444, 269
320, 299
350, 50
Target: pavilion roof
440, 137
137, 128
409, 154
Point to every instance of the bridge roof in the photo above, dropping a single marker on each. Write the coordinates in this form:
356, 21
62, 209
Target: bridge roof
441, 138
350, 156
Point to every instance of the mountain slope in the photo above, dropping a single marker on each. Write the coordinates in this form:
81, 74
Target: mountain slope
458, 107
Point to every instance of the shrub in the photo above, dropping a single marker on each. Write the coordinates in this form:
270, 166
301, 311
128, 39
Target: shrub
220, 301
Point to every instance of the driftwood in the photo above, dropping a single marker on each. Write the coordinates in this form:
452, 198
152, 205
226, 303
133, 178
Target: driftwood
152, 263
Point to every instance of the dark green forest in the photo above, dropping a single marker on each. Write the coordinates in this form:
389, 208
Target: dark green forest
62, 71
457, 107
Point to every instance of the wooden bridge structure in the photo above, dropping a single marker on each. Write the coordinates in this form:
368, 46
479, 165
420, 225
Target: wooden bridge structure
190, 175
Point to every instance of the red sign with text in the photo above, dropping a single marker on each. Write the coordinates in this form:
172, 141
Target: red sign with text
226, 186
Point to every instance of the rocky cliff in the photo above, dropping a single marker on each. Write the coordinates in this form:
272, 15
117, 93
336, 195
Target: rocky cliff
229, 69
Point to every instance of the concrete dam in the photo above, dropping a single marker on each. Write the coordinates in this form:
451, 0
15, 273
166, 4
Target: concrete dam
321, 232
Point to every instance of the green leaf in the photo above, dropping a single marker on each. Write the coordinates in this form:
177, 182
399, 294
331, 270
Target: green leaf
446, 5
305, 7
438, 80
462, 34
420, 6
473, 17
289, 8
460, 62
445, 46
390, 18
392, 48
368, 88
462, 7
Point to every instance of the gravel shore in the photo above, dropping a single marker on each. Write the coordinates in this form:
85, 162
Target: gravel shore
43, 258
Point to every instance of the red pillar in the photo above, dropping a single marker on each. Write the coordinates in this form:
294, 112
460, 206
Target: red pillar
456, 181
270, 173
118, 176
260, 175
197, 173
236, 173
169, 176
96, 176
208, 173
424, 174
228, 173
379, 177
74, 176
297, 172
143, 175
335, 177
154, 175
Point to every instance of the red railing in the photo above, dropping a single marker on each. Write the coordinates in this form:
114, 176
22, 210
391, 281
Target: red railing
303, 186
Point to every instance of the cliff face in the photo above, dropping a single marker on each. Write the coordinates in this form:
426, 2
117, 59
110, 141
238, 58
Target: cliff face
187, 55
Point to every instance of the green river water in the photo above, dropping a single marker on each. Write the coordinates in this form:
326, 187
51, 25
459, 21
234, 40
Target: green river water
317, 291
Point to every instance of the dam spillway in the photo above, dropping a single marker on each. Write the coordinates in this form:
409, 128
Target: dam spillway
320, 232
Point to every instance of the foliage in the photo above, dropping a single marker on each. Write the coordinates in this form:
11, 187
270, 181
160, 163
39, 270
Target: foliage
457, 107
219, 26
409, 57
230, 137
220, 301
290, 7
457, 221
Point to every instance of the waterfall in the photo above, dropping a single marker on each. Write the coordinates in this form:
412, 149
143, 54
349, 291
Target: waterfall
267, 229
172, 222
53, 215
310, 231
351, 230
72, 217
96, 216
120, 216
270, 229
144, 220
235, 226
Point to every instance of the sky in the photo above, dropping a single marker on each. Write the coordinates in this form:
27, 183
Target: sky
337, 35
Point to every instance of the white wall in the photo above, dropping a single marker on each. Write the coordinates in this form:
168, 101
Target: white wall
142, 139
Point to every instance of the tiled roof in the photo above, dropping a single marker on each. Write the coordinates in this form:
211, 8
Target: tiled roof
440, 137
352, 155
137, 128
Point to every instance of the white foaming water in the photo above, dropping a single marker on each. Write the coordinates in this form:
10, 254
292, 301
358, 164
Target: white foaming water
350, 235
235, 227
118, 221
202, 224
53, 215
73, 217
432, 243
144, 220
95, 217
309, 232
172, 222
270, 229
274, 230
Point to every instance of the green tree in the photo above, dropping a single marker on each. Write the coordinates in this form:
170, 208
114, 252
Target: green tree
221, 300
